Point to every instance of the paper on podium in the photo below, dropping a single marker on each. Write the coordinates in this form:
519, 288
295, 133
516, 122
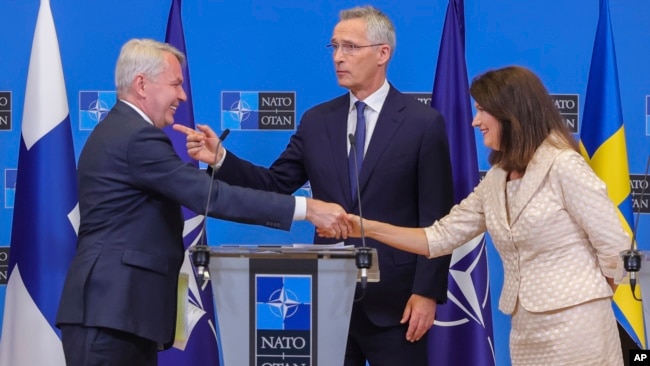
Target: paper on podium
187, 314
180, 338
323, 246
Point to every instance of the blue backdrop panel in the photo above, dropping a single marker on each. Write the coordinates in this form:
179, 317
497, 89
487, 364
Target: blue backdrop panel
272, 46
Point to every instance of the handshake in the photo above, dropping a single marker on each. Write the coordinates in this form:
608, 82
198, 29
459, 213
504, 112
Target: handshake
331, 220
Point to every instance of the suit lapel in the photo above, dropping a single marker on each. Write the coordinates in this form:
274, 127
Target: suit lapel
535, 173
389, 120
498, 193
337, 128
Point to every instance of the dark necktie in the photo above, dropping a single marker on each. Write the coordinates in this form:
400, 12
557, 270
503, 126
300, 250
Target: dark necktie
359, 144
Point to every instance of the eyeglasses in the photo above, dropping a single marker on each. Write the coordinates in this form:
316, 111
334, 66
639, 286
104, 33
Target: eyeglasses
349, 48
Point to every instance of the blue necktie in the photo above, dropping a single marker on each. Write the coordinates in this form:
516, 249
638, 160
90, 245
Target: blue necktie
359, 144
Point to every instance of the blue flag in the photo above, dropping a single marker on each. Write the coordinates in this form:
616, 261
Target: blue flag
199, 347
602, 143
46, 215
462, 334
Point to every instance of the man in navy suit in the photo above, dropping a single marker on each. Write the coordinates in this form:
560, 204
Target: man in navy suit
405, 179
118, 305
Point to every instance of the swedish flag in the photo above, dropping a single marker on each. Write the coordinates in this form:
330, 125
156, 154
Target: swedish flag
602, 143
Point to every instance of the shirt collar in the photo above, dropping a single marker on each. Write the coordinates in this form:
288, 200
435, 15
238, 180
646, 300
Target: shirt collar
141, 113
375, 100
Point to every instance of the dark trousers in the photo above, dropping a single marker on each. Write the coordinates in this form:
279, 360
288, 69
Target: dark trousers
382, 346
92, 346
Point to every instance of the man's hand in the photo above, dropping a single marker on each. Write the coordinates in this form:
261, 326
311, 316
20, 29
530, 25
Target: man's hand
353, 224
420, 312
201, 145
329, 218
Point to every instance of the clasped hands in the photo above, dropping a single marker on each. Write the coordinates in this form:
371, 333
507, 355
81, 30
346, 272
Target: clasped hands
330, 219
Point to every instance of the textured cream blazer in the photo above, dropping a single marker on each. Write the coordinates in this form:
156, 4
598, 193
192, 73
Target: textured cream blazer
560, 240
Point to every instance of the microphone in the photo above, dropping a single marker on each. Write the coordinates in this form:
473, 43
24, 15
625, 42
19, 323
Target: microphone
363, 255
632, 257
201, 253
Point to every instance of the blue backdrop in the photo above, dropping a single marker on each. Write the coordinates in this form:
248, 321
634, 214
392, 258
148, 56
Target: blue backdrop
279, 46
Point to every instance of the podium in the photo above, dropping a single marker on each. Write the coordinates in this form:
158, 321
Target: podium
284, 305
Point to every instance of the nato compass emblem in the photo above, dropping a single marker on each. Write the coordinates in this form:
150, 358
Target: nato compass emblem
469, 288
240, 113
94, 106
239, 110
469, 308
283, 312
283, 302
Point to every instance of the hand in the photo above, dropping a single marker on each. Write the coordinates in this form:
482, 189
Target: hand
611, 283
420, 312
329, 218
353, 224
201, 145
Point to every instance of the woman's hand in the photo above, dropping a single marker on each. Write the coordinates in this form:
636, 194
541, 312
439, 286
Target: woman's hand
353, 224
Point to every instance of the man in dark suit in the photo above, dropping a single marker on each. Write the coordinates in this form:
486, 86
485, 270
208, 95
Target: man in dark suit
405, 179
118, 305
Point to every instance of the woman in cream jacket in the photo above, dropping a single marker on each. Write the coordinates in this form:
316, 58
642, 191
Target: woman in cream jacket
549, 216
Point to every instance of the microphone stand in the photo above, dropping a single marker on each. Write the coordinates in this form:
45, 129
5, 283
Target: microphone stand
632, 257
363, 255
201, 252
